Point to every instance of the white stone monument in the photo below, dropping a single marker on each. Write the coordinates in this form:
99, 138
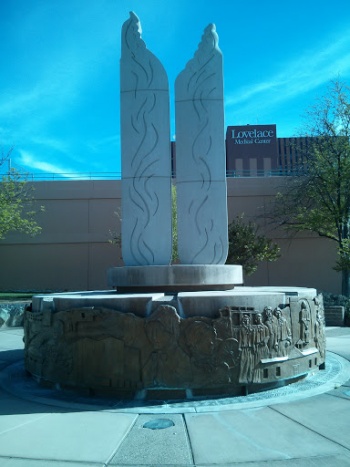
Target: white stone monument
146, 172
200, 157
145, 152
173, 331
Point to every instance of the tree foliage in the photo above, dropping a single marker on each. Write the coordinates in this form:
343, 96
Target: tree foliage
247, 247
317, 198
16, 213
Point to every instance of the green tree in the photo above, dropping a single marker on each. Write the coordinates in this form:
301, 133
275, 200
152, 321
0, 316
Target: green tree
247, 247
15, 202
317, 197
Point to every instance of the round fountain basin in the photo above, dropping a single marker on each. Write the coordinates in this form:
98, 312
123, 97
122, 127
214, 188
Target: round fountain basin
158, 345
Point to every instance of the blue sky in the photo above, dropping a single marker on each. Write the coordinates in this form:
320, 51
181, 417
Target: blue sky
59, 80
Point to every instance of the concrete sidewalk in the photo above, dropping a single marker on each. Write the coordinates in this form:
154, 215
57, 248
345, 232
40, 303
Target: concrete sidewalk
308, 431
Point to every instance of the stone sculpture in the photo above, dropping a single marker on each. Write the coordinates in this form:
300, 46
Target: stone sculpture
246, 341
200, 156
224, 353
146, 171
201, 337
283, 336
261, 350
145, 150
146, 160
304, 320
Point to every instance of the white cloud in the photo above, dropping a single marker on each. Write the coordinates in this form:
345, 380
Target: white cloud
312, 69
52, 143
30, 161
98, 145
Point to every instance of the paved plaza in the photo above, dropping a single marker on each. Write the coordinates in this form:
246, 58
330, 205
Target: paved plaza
308, 425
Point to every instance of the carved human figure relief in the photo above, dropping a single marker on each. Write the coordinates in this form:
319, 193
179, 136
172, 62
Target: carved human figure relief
305, 323
246, 344
167, 364
283, 334
261, 338
271, 324
145, 152
200, 156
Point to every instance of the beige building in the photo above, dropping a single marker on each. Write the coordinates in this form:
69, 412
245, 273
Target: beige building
256, 150
73, 251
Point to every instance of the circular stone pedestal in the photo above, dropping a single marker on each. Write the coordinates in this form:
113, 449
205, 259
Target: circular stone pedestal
163, 346
175, 278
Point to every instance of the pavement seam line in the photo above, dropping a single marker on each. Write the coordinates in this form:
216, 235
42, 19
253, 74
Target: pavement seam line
114, 452
188, 438
310, 429
53, 461
83, 463
23, 424
338, 397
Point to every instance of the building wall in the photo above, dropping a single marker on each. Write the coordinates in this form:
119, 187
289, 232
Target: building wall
291, 152
306, 259
255, 150
73, 251
251, 149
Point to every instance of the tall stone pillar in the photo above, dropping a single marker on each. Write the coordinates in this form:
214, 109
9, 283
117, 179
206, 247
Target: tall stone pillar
145, 151
200, 156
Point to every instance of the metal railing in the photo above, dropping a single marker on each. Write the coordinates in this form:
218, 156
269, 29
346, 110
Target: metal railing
259, 173
66, 176
73, 176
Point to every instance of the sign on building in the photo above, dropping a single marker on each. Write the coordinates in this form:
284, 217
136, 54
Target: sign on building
251, 149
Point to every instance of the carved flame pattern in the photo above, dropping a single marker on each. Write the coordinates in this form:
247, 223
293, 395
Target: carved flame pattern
199, 88
145, 150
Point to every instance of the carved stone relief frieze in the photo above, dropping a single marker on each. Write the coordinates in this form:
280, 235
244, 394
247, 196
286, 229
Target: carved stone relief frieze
103, 348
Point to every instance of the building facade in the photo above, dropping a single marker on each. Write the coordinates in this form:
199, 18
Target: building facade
255, 150
74, 251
